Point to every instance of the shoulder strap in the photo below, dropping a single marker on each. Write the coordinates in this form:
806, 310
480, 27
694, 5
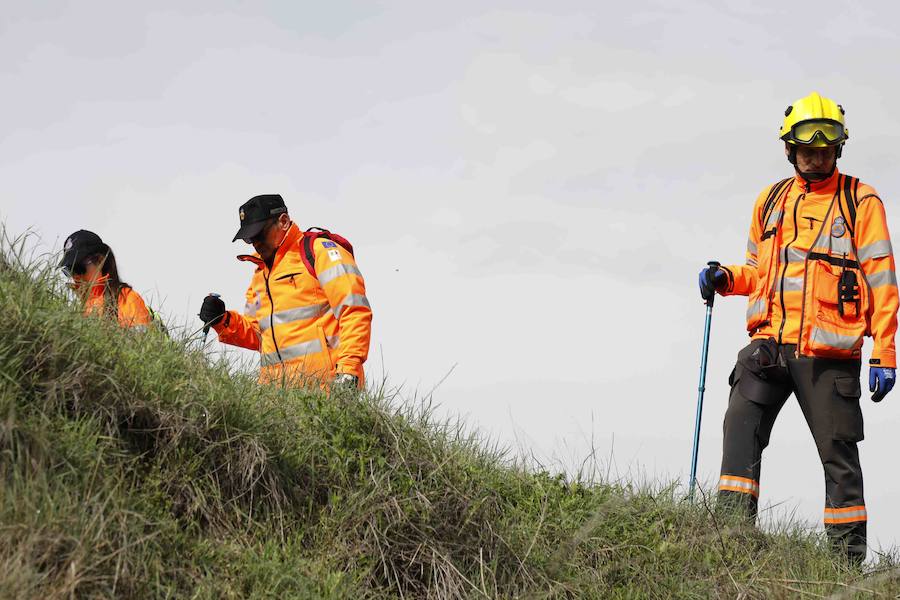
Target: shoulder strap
850, 201
306, 251
853, 201
308, 255
772, 200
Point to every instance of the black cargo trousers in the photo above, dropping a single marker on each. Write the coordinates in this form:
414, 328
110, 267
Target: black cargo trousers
828, 392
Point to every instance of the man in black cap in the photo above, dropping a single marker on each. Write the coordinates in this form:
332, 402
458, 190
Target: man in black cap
307, 312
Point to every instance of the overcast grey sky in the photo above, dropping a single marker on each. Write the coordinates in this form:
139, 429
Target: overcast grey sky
531, 187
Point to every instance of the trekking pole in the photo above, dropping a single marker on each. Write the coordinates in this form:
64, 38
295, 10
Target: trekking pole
713, 266
206, 327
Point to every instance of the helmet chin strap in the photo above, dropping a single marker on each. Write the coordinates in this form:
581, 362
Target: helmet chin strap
792, 154
810, 176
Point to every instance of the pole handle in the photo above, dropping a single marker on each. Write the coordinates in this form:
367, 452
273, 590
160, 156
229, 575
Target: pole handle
713, 267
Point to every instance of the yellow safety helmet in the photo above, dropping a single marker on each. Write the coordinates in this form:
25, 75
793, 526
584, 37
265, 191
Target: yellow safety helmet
814, 121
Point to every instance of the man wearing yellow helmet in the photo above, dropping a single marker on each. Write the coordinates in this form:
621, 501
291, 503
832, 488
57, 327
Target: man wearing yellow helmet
820, 276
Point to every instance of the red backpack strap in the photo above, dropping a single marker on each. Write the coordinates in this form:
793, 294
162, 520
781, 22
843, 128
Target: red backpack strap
307, 253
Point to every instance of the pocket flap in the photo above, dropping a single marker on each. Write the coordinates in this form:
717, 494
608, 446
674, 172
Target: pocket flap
735, 376
827, 286
848, 387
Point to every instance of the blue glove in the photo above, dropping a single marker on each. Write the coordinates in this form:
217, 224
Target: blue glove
710, 281
881, 381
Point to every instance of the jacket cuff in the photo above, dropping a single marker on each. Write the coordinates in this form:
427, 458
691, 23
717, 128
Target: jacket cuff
352, 366
727, 288
883, 358
223, 325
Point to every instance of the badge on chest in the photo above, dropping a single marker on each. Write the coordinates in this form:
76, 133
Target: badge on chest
838, 227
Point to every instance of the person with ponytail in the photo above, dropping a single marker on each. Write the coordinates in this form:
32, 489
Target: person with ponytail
92, 267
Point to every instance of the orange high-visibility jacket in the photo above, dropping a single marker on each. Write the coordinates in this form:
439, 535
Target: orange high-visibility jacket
306, 329
132, 312
808, 243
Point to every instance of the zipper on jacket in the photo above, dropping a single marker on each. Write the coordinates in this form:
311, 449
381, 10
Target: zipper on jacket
272, 318
828, 215
784, 270
773, 262
803, 305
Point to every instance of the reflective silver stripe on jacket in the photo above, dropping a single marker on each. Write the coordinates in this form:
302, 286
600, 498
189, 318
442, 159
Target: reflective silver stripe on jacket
296, 351
882, 278
351, 300
337, 271
139, 328
751, 247
756, 308
752, 262
249, 310
823, 242
835, 340
294, 314
774, 217
791, 284
875, 250
841, 245
796, 256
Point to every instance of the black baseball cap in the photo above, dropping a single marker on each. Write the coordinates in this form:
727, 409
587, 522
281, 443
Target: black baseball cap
79, 246
256, 212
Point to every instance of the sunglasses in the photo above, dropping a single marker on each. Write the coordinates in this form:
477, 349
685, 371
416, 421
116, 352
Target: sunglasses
79, 268
262, 232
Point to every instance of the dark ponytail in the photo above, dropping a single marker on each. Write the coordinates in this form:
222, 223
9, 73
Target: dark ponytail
114, 284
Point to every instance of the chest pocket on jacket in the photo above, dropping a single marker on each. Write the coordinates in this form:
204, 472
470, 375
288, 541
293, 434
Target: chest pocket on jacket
289, 276
809, 220
296, 297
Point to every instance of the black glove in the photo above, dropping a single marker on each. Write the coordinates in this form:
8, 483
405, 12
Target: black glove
213, 310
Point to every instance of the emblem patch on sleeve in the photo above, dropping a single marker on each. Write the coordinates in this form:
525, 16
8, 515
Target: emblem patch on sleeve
334, 255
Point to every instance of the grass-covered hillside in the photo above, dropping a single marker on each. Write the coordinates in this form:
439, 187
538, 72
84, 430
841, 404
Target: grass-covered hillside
131, 467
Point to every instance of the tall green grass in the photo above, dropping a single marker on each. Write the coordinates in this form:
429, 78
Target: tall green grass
133, 467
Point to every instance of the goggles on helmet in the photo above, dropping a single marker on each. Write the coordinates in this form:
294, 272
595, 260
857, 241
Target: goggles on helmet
806, 132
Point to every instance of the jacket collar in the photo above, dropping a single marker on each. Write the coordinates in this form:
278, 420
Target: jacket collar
290, 241
91, 288
828, 184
